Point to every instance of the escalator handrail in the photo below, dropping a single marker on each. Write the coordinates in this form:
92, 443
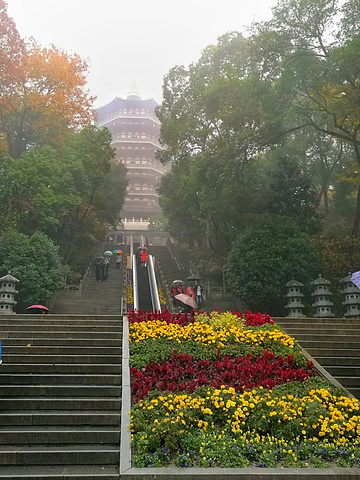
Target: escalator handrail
153, 285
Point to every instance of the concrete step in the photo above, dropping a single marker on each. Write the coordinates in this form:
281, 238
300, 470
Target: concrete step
69, 418
20, 391
338, 361
315, 332
117, 334
333, 349
316, 321
65, 368
58, 436
68, 403
355, 391
69, 342
67, 472
332, 345
33, 329
50, 320
59, 455
59, 379
347, 381
58, 359
53, 350
346, 370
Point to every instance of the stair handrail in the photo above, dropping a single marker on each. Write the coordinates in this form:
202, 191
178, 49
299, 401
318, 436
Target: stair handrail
153, 285
134, 275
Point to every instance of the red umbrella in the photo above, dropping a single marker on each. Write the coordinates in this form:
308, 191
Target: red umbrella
37, 309
183, 298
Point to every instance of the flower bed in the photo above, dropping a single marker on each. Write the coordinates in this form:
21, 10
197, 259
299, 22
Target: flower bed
232, 390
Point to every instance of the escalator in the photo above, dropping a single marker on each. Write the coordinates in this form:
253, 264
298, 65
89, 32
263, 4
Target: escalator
144, 293
143, 283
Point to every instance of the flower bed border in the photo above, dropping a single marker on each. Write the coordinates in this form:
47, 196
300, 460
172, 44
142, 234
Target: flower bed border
127, 472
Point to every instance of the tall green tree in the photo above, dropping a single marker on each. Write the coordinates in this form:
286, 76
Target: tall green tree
71, 195
35, 261
267, 256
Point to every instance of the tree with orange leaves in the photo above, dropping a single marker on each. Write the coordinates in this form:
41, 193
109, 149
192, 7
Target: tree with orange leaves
44, 91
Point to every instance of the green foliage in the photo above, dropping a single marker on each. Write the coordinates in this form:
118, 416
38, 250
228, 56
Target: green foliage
292, 193
71, 195
34, 260
265, 258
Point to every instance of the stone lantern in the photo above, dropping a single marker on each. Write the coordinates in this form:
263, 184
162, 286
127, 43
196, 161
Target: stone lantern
322, 297
351, 301
7, 292
294, 304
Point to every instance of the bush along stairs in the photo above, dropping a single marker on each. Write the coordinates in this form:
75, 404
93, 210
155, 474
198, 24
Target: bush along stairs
60, 396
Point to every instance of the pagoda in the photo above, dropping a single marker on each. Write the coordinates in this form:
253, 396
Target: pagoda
135, 131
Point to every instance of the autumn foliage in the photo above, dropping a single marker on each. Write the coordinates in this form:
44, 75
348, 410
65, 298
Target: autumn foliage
42, 91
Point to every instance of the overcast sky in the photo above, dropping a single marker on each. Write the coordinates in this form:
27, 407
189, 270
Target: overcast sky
133, 40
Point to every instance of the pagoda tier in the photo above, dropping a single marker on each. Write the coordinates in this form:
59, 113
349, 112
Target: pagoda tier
135, 131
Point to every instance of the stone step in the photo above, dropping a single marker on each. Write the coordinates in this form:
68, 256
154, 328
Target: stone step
61, 335
341, 332
68, 320
33, 329
347, 381
59, 455
58, 435
339, 361
20, 391
322, 351
67, 472
68, 403
314, 321
69, 418
56, 341
59, 359
59, 379
352, 347
65, 368
326, 338
346, 370
59, 350
355, 391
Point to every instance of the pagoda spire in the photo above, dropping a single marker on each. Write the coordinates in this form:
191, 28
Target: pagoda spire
133, 93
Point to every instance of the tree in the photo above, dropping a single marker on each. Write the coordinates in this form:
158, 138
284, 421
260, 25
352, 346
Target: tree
319, 72
292, 193
12, 50
66, 193
265, 258
35, 262
43, 91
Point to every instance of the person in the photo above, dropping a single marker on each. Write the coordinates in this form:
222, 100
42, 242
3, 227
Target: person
105, 268
190, 292
199, 294
174, 291
118, 261
143, 257
180, 289
98, 270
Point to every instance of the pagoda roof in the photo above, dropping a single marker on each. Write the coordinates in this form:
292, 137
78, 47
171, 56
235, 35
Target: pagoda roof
8, 278
128, 103
320, 281
294, 283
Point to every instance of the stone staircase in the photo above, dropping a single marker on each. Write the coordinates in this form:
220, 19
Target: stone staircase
102, 298
333, 342
60, 397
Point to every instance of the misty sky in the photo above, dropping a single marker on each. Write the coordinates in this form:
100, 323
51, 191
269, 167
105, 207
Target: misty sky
133, 40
